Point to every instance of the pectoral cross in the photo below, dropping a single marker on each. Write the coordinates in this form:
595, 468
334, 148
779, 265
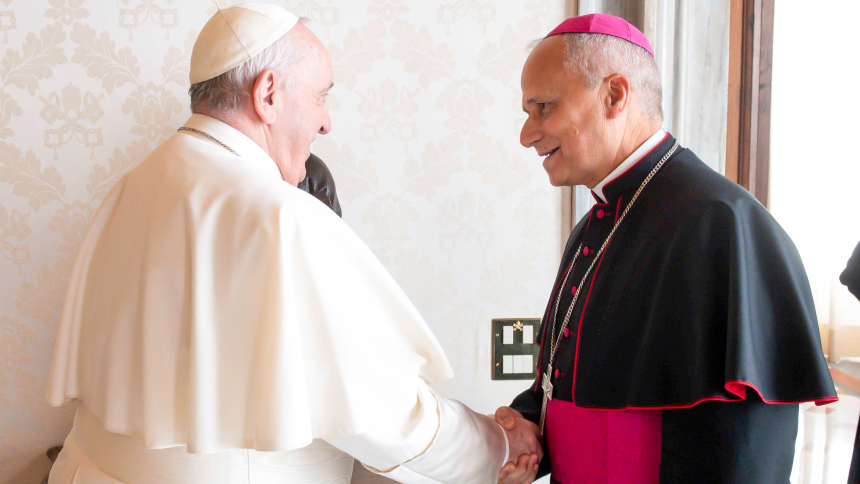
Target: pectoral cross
546, 384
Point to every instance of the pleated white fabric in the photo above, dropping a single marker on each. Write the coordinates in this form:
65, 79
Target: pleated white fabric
215, 306
92, 455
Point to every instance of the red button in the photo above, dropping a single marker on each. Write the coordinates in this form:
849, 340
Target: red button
585, 251
573, 290
557, 374
600, 213
566, 332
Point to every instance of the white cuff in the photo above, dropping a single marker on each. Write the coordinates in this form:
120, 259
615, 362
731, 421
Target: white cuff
448, 442
404, 474
466, 449
507, 445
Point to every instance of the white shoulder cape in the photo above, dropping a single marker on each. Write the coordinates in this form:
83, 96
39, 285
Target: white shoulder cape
214, 305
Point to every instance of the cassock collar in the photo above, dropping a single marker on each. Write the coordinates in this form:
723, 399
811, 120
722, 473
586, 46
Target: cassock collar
630, 173
248, 150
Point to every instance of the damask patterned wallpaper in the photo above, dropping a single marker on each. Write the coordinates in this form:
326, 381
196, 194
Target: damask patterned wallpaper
424, 147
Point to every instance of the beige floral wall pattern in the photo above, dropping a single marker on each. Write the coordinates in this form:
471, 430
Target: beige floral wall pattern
424, 147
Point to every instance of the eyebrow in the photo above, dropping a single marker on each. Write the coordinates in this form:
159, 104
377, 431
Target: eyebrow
530, 101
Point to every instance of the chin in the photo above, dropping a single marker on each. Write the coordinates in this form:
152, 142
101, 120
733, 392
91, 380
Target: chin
555, 179
555, 169
554, 182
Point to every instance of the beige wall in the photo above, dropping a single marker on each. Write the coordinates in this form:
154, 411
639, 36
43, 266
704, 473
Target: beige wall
425, 150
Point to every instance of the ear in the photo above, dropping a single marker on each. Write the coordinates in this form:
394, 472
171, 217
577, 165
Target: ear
617, 95
263, 96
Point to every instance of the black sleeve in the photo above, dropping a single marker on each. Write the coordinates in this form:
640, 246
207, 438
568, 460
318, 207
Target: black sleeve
319, 182
851, 276
729, 443
854, 470
528, 403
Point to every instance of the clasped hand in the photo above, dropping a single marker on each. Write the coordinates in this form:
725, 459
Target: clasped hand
526, 451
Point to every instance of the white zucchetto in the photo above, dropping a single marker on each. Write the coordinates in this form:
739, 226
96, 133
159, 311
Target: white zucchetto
234, 35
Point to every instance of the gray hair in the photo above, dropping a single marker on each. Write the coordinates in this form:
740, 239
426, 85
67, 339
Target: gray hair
227, 92
597, 56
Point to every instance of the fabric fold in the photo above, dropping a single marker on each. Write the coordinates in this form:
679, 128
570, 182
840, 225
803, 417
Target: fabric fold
226, 308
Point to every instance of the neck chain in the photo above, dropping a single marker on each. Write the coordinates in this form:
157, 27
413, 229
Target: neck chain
546, 384
207, 135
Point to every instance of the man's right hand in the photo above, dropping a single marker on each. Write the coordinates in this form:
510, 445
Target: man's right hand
525, 447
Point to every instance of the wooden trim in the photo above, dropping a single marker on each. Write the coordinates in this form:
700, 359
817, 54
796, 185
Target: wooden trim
845, 379
568, 213
734, 98
568, 194
571, 8
750, 63
760, 175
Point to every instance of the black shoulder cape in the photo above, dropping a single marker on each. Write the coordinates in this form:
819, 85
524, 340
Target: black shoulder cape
700, 295
851, 278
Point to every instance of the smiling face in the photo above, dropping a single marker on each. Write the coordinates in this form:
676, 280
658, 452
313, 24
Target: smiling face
567, 121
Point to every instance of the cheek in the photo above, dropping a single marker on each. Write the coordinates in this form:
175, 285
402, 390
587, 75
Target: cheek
582, 129
570, 136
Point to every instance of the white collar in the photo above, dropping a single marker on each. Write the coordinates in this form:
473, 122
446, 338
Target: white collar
631, 160
248, 150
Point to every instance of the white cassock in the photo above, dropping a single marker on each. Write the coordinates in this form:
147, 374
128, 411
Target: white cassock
222, 326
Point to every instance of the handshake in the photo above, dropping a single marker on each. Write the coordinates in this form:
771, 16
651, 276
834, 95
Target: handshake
524, 441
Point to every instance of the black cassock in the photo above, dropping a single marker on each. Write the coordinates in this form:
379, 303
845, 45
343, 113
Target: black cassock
851, 278
700, 307
320, 183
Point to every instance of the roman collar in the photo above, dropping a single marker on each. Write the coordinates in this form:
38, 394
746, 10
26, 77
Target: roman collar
630, 173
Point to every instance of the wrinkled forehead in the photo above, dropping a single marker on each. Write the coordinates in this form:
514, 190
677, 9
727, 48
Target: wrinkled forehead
324, 78
545, 64
308, 39
314, 68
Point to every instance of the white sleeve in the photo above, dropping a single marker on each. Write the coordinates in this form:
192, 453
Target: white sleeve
436, 441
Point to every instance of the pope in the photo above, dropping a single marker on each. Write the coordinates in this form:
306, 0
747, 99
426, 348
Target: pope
223, 326
680, 334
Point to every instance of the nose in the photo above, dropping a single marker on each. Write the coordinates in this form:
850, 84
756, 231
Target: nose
326, 124
529, 135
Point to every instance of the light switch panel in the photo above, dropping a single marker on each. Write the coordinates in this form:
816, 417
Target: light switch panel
528, 334
515, 353
518, 364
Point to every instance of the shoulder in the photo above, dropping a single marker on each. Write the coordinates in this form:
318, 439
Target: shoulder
207, 180
706, 202
694, 184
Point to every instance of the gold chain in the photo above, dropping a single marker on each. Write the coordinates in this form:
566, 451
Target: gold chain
556, 340
207, 135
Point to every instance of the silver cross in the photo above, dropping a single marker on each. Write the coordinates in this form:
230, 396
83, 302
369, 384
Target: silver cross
546, 384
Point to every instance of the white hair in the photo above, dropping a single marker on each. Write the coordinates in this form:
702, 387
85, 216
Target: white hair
596, 56
227, 92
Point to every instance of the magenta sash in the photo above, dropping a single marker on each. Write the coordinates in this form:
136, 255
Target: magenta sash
603, 446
